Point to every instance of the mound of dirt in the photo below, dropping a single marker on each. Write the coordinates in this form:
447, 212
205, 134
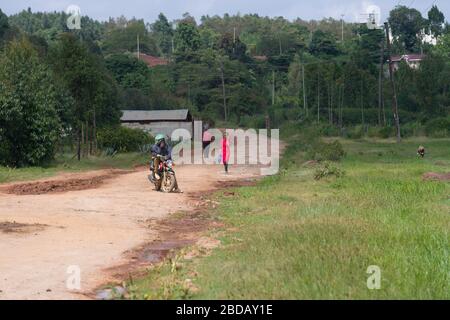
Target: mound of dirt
436, 176
62, 185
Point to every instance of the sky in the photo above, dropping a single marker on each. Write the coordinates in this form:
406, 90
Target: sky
353, 10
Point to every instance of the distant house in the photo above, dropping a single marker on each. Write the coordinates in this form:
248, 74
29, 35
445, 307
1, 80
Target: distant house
153, 61
412, 60
158, 121
260, 58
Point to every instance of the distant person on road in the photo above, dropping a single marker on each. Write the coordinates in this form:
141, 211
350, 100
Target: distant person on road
225, 151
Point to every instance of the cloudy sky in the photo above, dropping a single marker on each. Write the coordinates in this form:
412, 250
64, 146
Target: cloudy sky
291, 9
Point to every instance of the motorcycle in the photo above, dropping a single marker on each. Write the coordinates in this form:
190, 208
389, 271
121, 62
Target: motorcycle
165, 180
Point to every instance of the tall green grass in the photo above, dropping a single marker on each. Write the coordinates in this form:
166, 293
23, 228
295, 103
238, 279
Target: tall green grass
292, 237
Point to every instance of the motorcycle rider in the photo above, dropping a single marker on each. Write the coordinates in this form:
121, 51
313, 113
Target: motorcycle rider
159, 149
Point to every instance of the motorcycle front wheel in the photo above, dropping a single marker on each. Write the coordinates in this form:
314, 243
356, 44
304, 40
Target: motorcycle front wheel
168, 182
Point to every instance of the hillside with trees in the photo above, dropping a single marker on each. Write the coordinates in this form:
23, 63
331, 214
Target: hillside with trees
62, 86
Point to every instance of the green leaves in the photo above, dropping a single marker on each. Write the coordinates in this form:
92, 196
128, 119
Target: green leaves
28, 117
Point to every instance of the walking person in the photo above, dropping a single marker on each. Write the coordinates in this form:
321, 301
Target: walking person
225, 151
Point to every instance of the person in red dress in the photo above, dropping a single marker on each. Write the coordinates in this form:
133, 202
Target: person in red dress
225, 151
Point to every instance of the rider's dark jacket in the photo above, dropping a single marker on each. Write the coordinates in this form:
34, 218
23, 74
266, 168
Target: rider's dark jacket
165, 151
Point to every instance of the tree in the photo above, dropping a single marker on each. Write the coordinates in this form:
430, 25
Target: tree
4, 25
29, 123
164, 34
187, 36
323, 44
406, 26
124, 39
443, 46
77, 69
436, 21
233, 47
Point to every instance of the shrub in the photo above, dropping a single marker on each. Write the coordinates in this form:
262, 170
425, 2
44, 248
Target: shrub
386, 132
123, 139
326, 170
329, 130
412, 129
438, 127
321, 151
356, 132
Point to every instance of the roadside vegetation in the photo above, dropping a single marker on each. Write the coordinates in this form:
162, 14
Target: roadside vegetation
231, 71
296, 237
67, 163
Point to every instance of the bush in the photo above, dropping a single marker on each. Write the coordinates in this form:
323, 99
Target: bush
356, 132
386, 132
321, 151
123, 139
412, 129
255, 121
438, 127
326, 170
329, 130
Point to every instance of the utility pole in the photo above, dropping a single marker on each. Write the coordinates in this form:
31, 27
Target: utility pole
279, 41
304, 90
380, 83
138, 47
342, 27
362, 102
394, 92
223, 90
341, 105
273, 87
318, 95
330, 104
234, 39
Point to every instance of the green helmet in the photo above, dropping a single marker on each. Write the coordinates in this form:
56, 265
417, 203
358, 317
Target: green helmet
159, 137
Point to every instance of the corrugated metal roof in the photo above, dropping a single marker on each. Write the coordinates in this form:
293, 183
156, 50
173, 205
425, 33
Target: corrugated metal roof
155, 115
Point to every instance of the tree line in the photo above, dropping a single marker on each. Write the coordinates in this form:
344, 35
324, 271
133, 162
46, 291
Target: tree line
60, 86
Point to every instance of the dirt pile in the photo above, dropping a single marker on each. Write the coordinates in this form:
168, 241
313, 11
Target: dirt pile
62, 185
436, 176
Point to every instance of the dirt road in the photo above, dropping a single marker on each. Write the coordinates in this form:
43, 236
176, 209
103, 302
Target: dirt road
42, 235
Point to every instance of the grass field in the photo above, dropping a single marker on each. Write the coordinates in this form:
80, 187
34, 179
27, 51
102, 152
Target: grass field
67, 163
293, 237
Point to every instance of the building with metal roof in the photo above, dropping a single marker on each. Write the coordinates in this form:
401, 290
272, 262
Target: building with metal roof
158, 121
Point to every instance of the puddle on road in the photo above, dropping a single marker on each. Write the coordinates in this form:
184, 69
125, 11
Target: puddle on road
157, 251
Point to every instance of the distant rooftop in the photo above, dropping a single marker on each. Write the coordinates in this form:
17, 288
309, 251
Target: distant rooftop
153, 61
409, 57
155, 115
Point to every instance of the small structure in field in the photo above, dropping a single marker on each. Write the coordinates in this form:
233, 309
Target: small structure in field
158, 121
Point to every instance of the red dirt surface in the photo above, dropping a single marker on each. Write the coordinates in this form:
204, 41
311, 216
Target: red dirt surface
62, 185
98, 227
